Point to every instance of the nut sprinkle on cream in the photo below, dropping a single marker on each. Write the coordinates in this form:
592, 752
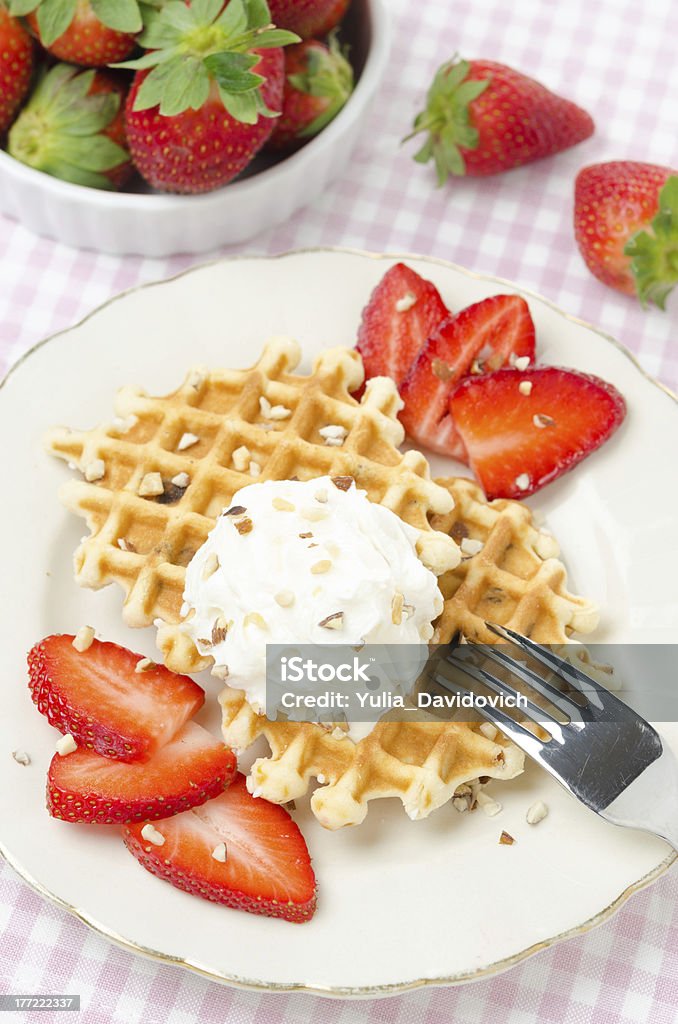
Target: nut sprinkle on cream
353, 577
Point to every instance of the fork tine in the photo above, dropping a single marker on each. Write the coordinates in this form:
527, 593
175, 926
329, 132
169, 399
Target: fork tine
543, 718
594, 691
533, 679
521, 736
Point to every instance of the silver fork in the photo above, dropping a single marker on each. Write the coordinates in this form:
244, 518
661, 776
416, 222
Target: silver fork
604, 754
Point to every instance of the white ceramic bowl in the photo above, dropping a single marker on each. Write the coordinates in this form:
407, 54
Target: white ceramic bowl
155, 224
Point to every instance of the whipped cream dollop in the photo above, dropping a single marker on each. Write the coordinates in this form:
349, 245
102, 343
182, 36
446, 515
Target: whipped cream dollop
306, 562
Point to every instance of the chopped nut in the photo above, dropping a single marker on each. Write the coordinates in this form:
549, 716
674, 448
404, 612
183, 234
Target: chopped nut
21, 757
525, 387
521, 362
220, 671
321, 495
488, 730
144, 665
66, 745
536, 813
285, 598
333, 430
477, 366
324, 565
282, 505
220, 630
243, 525
235, 510
397, 605
219, 853
151, 486
122, 425
279, 412
408, 610
255, 619
151, 835
83, 639
241, 458
487, 804
541, 420
255, 468
264, 406
321, 778
469, 546
210, 567
95, 470
314, 515
334, 442
335, 621
442, 370
506, 839
343, 483
522, 482
126, 545
408, 300
187, 440
305, 536
460, 803
181, 480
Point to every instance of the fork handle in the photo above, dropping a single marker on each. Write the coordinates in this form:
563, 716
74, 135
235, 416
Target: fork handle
650, 802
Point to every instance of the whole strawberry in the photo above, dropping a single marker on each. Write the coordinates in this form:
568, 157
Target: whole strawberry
318, 82
484, 118
626, 226
308, 17
89, 32
72, 128
16, 66
203, 100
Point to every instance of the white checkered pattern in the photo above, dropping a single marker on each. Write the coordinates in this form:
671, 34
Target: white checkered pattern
615, 57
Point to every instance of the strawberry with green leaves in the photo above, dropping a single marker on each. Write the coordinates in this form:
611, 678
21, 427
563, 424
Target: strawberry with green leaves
72, 128
89, 32
205, 96
16, 66
318, 82
484, 118
626, 226
308, 18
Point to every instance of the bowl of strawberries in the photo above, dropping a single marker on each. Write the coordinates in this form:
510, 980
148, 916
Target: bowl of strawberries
170, 126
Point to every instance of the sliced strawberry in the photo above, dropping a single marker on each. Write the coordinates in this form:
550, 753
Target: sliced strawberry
190, 769
519, 442
403, 310
482, 337
267, 868
106, 705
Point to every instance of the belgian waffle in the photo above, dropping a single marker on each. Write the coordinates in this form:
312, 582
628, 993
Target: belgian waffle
159, 474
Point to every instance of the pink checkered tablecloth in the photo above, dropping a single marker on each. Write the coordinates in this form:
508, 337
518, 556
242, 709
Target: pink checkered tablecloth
616, 58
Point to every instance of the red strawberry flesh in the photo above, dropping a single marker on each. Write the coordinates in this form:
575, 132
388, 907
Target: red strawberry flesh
404, 309
481, 337
188, 770
517, 443
106, 705
267, 868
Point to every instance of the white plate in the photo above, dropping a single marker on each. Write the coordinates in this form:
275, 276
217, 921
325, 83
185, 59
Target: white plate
401, 903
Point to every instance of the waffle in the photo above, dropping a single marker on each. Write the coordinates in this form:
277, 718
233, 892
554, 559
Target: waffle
183, 445
515, 580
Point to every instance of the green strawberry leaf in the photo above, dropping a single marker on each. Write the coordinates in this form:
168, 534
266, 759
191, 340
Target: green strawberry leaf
61, 129
21, 7
654, 251
193, 46
232, 71
448, 119
258, 13
329, 76
120, 15
54, 17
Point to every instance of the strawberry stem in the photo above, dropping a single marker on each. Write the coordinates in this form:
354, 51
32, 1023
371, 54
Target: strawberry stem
654, 250
447, 119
